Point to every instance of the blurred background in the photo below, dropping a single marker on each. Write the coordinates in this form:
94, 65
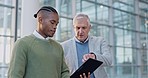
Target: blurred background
123, 23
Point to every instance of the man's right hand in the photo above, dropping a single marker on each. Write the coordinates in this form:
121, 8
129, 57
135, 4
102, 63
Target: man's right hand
87, 56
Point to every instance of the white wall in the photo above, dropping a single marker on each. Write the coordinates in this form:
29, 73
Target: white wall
28, 22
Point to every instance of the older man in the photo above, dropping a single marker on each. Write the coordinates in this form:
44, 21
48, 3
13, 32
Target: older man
82, 47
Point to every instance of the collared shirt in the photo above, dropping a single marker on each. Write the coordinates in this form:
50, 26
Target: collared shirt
39, 36
80, 41
82, 48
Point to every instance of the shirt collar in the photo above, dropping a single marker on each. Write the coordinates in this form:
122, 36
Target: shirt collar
38, 35
80, 41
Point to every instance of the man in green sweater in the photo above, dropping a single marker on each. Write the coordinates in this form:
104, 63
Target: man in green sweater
35, 56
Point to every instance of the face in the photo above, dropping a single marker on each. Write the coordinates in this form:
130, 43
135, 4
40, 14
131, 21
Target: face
81, 29
48, 25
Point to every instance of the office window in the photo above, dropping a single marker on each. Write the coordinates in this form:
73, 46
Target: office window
6, 2
99, 30
123, 20
143, 9
5, 33
66, 8
144, 24
66, 29
102, 15
126, 5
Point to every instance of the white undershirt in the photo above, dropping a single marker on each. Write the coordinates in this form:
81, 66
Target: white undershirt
35, 33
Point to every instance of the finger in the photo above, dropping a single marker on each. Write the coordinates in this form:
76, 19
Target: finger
85, 57
88, 74
92, 56
81, 76
83, 60
84, 76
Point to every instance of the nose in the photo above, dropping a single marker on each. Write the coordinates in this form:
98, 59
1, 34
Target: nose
80, 30
55, 26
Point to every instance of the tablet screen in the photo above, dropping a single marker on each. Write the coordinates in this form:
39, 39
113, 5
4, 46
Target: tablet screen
89, 66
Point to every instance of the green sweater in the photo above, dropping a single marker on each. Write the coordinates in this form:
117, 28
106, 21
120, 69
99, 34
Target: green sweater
36, 58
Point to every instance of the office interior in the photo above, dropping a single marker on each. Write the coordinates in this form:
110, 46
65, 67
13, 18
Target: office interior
123, 23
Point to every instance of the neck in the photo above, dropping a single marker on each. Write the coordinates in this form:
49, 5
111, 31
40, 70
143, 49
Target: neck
83, 40
41, 34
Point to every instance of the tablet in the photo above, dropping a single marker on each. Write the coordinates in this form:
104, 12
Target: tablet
89, 66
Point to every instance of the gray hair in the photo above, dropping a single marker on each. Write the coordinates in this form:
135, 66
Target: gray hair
81, 15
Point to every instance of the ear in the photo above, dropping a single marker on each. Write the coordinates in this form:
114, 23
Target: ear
40, 20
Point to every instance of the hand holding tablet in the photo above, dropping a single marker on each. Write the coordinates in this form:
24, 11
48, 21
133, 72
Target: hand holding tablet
89, 66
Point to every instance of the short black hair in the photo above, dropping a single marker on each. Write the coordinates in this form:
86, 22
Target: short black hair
46, 8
